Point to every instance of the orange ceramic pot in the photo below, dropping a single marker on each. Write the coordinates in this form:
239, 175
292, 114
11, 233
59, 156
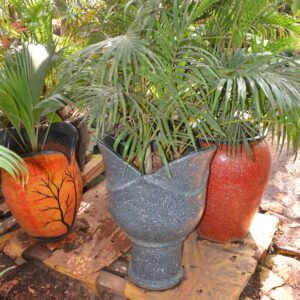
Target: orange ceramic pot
47, 206
235, 189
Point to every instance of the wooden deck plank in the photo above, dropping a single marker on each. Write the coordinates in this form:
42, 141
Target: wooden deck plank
112, 283
288, 242
4, 239
212, 271
93, 168
95, 243
7, 225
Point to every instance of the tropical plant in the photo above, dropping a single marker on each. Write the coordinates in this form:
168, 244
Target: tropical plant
36, 18
112, 20
253, 92
250, 89
171, 80
22, 83
57, 23
139, 86
291, 5
255, 24
13, 164
79, 19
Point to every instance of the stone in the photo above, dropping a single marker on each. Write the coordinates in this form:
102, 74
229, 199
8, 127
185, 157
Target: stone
272, 206
287, 268
284, 293
269, 280
262, 232
283, 192
289, 240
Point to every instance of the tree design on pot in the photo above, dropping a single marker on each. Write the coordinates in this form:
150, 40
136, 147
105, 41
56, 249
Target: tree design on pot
46, 206
67, 206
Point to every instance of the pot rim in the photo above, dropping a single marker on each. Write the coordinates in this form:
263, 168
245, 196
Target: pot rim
37, 153
257, 138
163, 168
71, 146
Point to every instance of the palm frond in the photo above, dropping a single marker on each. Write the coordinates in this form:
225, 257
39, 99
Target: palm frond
242, 24
22, 79
255, 91
13, 164
140, 86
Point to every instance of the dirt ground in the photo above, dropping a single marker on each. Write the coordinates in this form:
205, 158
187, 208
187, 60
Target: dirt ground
33, 281
252, 290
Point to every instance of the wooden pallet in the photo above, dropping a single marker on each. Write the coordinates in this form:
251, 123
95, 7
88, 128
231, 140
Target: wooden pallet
212, 271
95, 243
97, 253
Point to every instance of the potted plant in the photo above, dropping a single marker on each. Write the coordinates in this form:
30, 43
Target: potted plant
139, 90
254, 91
46, 206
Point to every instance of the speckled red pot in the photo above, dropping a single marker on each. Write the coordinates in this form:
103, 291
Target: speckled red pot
235, 189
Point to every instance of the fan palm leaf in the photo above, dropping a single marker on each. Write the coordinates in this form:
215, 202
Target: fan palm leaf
255, 91
22, 79
256, 23
140, 86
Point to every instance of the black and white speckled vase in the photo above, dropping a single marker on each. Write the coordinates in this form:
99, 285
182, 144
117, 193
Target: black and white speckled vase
157, 212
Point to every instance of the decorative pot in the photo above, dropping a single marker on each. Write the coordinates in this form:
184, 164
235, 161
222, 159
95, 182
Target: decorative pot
47, 205
235, 188
157, 212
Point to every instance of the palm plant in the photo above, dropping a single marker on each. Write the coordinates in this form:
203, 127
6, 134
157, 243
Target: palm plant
22, 83
253, 24
34, 16
13, 164
251, 90
169, 73
255, 92
140, 87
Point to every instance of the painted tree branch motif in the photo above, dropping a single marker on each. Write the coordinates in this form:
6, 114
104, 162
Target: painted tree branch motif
72, 178
61, 197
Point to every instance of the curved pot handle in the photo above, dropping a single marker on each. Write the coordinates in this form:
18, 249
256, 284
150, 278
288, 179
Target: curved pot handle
65, 135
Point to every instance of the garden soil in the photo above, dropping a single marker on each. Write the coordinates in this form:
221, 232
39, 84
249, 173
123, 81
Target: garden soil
32, 281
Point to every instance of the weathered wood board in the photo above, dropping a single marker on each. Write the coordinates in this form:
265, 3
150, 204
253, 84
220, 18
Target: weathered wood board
212, 271
288, 242
95, 243
92, 169
90, 254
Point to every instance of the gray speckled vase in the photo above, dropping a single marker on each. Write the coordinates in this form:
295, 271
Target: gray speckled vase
157, 212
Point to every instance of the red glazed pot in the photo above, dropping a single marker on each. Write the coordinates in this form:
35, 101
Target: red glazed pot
235, 189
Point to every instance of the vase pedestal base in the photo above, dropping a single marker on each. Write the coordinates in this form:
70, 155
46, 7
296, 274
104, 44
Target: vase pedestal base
156, 266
